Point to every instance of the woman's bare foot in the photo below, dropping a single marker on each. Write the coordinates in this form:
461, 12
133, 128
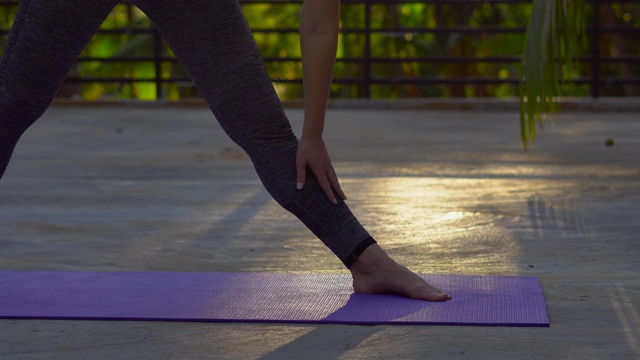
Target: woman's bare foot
376, 273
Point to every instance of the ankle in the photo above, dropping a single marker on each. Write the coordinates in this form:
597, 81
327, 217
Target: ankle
370, 259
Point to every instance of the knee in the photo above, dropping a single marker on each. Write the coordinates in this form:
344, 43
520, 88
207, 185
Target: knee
276, 167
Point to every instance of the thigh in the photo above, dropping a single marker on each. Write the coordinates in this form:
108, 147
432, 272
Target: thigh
214, 44
45, 41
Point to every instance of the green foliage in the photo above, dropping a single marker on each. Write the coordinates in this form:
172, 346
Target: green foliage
7, 16
409, 43
119, 45
551, 34
555, 35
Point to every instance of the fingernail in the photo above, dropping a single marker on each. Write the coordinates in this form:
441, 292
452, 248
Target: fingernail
335, 201
299, 186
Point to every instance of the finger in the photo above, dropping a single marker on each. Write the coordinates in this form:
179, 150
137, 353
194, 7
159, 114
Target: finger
301, 170
326, 187
335, 185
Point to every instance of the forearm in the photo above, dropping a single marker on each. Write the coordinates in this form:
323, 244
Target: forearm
319, 23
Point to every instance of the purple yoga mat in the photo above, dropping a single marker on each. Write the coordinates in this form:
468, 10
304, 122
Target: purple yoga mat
264, 297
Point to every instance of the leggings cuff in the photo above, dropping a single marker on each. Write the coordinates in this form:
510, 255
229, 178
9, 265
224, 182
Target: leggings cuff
359, 249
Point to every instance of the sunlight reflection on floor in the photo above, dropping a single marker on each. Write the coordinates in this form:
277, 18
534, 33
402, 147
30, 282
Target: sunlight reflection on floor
439, 224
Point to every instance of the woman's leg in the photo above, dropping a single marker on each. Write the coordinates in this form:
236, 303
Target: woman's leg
215, 46
45, 41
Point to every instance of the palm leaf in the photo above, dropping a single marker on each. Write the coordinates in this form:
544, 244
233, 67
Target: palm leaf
555, 35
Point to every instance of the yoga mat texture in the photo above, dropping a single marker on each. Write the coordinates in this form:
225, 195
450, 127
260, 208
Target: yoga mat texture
264, 297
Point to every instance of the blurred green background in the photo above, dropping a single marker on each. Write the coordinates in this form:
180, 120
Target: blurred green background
450, 62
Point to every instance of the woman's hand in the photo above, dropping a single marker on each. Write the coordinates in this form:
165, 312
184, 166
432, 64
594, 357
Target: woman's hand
313, 153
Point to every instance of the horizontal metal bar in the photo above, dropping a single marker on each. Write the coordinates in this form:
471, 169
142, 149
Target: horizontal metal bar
453, 29
438, 59
426, 59
350, 59
439, 2
479, 2
443, 81
128, 59
401, 30
188, 81
124, 80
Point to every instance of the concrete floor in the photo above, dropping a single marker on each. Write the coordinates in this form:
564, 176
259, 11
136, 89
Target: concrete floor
114, 189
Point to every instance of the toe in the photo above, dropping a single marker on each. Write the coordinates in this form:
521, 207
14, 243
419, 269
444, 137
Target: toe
429, 294
438, 295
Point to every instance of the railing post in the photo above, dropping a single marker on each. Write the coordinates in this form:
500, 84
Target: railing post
366, 87
595, 48
157, 54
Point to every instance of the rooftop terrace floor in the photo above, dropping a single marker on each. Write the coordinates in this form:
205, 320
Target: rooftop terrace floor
126, 189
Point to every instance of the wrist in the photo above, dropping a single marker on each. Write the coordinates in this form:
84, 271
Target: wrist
312, 129
311, 135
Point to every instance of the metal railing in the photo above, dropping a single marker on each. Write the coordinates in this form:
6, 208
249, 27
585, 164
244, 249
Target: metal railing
595, 78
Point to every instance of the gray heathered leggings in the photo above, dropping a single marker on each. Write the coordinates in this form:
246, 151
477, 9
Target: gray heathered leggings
214, 44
